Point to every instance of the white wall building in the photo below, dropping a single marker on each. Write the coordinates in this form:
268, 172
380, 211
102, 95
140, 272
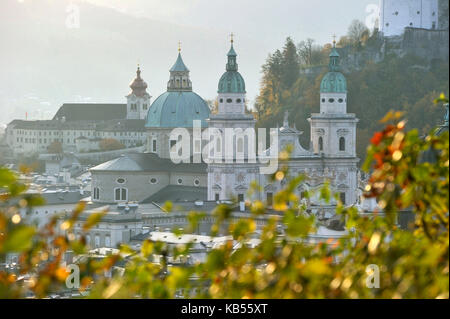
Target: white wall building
396, 15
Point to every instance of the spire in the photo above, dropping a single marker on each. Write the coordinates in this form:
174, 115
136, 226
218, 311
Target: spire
179, 65
334, 57
232, 65
138, 86
179, 75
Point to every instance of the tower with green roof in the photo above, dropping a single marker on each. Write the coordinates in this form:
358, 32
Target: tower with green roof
230, 169
333, 130
231, 88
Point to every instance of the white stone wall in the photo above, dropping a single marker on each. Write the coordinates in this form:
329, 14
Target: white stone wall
331, 129
231, 103
396, 15
333, 103
137, 107
138, 184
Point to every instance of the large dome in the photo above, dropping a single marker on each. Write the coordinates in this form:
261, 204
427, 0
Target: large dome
177, 109
333, 82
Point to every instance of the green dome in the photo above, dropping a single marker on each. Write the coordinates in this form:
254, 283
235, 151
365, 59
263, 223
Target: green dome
333, 82
231, 82
177, 109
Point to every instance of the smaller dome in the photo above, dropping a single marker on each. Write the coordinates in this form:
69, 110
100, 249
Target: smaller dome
231, 82
138, 86
333, 82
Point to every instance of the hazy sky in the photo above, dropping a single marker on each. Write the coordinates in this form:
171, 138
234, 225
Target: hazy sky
44, 58
268, 20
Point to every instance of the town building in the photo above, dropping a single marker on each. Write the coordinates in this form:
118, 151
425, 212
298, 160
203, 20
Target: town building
80, 127
396, 15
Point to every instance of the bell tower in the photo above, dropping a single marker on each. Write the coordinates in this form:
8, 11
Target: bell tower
138, 100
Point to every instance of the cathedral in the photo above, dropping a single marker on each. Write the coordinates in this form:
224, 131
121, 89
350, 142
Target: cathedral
153, 177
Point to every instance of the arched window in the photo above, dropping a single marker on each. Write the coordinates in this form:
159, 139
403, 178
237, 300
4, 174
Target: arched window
96, 193
320, 143
107, 241
120, 194
97, 241
342, 144
240, 145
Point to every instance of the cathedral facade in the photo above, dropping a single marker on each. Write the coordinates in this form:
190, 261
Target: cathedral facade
154, 177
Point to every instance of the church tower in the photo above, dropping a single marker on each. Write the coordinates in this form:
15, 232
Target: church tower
232, 164
333, 131
138, 100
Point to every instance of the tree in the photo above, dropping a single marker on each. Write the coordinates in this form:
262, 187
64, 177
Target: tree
358, 33
55, 147
410, 263
290, 64
110, 144
305, 50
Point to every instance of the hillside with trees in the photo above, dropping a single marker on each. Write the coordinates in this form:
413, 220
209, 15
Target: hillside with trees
291, 80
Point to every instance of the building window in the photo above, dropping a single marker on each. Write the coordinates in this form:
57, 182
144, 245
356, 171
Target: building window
342, 144
229, 100
331, 100
153, 181
240, 198
120, 194
342, 197
196, 182
180, 181
341, 100
120, 180
217, 197
221, 100
96, 194
320, 144
269, 198
238, 101
172, 143
323, 100
240, 145
154, 146
107, 241
144, 106
97, 241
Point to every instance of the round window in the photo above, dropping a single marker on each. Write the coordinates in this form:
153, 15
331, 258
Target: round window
221, 100
120, 180
331, 100
229, 100
180, 181
323, 100
153, 180
196, 182
341, 100
238, 101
